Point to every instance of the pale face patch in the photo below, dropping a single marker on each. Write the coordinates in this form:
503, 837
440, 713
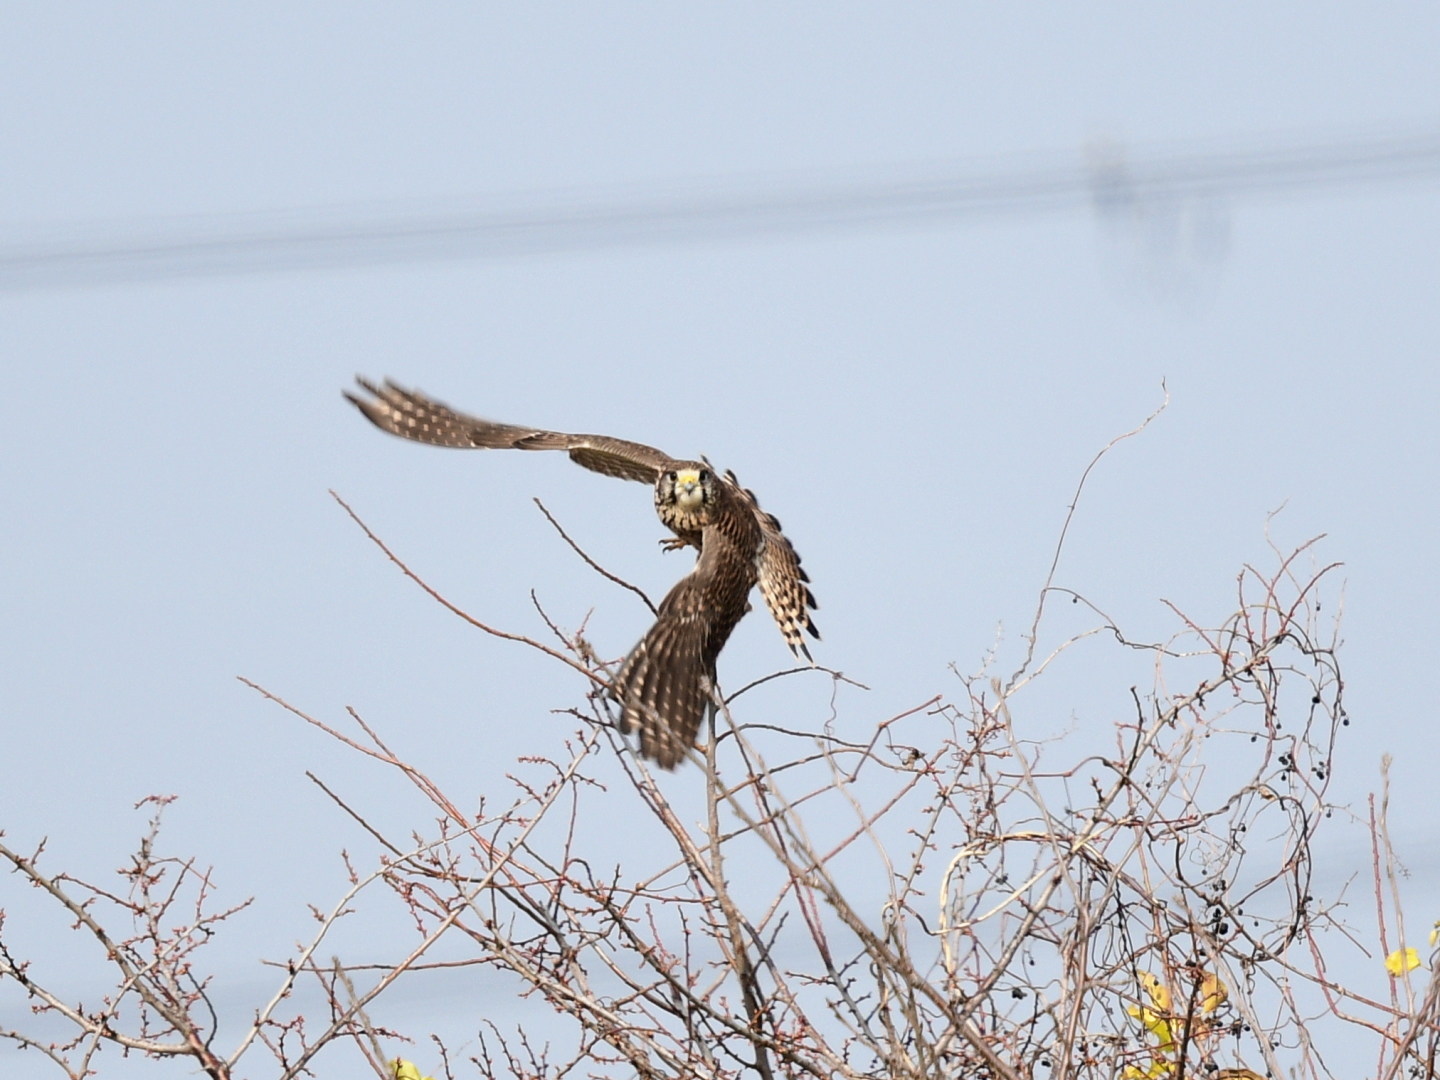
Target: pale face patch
689, 490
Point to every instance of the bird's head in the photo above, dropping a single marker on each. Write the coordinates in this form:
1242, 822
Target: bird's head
688, 489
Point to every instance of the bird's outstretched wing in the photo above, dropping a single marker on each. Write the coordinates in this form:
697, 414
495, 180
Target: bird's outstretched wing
783, 582
664, 684
412, 415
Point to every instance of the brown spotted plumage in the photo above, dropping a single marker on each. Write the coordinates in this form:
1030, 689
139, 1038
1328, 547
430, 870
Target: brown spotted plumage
666, 683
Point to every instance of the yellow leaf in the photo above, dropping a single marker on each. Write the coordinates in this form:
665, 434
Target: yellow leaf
406, 1070
1154, 1023
1154, 1071
1212, 992
1159, 993
1401, 961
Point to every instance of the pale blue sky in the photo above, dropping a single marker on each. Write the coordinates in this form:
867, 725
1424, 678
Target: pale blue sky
916, 404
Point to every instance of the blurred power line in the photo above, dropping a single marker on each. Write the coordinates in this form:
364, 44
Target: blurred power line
1104, 180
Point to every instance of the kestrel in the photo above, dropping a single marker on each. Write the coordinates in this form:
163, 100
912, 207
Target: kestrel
665, 684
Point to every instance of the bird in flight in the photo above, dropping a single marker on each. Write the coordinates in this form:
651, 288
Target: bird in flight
665, 684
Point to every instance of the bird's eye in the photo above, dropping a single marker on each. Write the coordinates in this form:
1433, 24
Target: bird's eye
672, 477
704, 476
